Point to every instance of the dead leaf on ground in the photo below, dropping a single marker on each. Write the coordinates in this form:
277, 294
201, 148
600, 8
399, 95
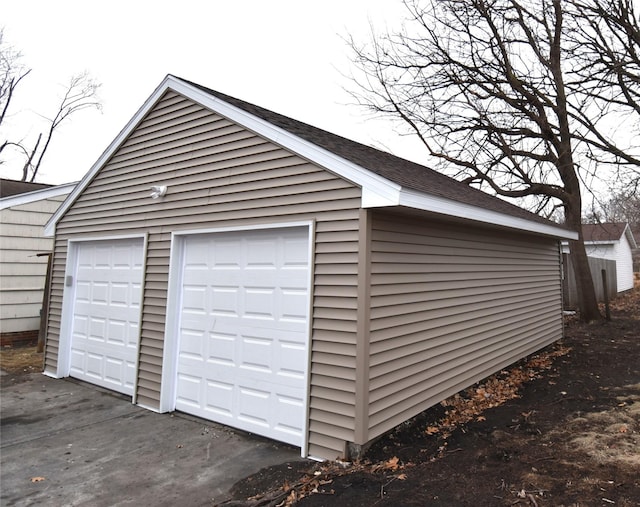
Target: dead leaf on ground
392, 464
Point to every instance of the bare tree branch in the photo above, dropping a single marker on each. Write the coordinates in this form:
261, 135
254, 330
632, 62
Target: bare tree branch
80, 94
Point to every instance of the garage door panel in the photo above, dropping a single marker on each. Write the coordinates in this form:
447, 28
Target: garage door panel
194, 298
115, 370
224, 301
77, 360
121, 294
190, 388
292, 356
118, 332
192, 345
94, 365
222, 348
106, 312
244, 330
219, 400
256, 354
286, 409
260, 303
98, 328
294, 305
254, 406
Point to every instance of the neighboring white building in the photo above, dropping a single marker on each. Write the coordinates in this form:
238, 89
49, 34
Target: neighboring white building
612, 241
24, 209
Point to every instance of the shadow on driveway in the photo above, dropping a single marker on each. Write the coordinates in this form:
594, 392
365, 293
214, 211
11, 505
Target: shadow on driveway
69, 443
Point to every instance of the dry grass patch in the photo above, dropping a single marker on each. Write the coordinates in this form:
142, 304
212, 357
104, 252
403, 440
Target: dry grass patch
23, 360
612, 436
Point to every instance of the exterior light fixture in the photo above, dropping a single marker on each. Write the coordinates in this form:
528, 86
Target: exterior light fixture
158, 191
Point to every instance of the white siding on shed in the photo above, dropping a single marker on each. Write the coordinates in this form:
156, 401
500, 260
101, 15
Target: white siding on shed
22, 272
619, 251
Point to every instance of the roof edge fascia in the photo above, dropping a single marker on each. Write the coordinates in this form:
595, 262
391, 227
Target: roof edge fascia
449, 207
36, 195
603, 242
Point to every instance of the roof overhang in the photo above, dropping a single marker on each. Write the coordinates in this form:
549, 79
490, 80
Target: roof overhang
377, 191
36, 195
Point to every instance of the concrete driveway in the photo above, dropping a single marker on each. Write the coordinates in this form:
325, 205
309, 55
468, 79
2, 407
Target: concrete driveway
68, 443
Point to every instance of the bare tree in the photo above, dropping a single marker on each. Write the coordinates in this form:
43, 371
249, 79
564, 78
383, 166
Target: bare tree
489, 88
81, 92
620, 207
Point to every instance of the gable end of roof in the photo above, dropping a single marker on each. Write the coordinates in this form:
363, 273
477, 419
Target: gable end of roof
386, 180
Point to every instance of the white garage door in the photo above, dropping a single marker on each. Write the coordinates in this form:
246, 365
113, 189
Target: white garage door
243, 330
106, 312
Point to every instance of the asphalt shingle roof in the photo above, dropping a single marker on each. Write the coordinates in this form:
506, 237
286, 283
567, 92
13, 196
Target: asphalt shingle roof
13, 187
609, 231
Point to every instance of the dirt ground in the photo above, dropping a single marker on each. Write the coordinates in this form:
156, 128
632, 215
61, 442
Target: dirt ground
561, 428
565, 432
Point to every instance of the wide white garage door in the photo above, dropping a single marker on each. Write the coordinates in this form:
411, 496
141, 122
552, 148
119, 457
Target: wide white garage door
106, 312
243, 330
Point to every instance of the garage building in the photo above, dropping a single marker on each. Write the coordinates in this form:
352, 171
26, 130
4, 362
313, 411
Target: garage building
235, 264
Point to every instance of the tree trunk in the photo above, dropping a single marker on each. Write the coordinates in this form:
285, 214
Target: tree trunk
587, 302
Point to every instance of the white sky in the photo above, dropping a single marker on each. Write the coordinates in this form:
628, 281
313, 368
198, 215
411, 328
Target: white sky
285, 55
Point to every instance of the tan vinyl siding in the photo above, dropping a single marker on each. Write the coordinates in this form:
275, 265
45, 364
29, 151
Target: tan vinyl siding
220, 175
450, 305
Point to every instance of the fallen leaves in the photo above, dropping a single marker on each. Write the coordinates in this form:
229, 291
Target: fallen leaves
469, 405
324, 474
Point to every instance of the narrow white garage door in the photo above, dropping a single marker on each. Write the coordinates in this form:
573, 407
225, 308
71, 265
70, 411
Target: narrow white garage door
106, 312
243, 330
